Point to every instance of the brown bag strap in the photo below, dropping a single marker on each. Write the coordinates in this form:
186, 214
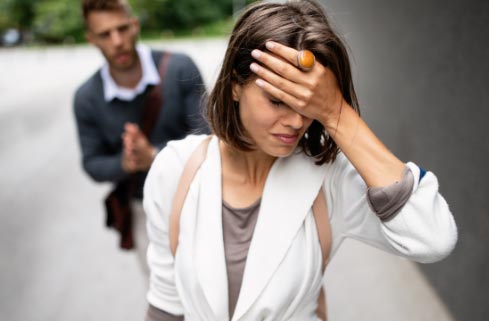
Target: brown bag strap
154, 100
188, 174
117, 203
151, 111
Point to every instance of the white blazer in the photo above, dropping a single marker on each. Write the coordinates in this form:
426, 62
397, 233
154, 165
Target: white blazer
282, 277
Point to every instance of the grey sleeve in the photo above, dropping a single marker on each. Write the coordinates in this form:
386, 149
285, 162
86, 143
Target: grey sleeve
387, 201
155, 314
194, 97
97, 162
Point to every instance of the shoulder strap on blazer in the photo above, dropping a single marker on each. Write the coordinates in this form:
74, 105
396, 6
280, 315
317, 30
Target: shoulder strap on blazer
193, 164
319, 209
189, 171
321, 217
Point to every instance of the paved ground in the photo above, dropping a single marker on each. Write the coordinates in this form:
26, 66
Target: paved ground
57, 260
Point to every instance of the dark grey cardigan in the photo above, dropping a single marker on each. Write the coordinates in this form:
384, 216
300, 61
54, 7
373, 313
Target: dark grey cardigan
100, 123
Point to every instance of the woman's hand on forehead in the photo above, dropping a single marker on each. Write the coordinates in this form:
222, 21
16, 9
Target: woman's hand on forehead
314, 93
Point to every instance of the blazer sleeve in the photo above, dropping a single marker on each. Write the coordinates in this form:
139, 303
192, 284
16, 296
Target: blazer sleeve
424, 229
159, 189
97, 161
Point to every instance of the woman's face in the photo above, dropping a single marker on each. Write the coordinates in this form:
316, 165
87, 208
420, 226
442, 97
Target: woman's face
273, 127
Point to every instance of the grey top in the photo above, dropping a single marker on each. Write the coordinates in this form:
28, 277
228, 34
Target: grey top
239, 224
100, 123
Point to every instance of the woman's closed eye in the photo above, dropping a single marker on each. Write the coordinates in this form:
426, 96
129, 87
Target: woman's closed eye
276, 102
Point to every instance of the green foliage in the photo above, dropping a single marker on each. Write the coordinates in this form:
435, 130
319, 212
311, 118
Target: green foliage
180, 14
58, 21
61, 20
18, 13
220, 28
4, 19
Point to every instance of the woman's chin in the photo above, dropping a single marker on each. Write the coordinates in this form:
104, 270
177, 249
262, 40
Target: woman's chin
282, 152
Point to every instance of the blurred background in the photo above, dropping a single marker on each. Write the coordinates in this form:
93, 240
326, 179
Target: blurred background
60, 22
422, 75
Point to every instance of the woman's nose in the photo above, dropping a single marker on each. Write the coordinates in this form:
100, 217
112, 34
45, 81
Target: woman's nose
293, 119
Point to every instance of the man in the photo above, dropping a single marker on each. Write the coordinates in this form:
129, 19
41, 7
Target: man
115, 105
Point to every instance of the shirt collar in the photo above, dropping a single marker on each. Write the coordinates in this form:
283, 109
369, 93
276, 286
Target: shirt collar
150, 76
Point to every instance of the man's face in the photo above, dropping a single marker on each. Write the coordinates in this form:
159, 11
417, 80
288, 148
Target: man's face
115, 34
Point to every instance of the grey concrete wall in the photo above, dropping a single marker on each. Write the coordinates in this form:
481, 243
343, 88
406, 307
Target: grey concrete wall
422, 74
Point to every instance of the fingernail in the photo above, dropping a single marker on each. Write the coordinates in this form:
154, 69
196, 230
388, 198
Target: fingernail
270, 45
254, 67
260, 83
256, 53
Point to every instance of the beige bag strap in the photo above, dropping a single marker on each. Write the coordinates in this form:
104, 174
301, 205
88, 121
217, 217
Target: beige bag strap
321, 217
189, 171
319, 209
193, 164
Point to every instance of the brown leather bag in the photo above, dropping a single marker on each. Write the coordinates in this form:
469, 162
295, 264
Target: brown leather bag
118, 202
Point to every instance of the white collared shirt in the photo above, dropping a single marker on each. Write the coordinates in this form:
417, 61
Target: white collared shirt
149, 76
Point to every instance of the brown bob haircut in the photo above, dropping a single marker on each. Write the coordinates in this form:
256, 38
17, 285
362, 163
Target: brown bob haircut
104, 5
299, 24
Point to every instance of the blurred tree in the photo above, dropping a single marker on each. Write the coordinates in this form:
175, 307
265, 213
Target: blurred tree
4, 19
147, 11
193, 13
178, 14
58, 20
18, 13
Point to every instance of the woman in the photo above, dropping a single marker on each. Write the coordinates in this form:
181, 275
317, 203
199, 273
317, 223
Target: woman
286, 131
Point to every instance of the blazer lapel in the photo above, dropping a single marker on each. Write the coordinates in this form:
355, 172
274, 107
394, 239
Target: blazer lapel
209, 245
290, 190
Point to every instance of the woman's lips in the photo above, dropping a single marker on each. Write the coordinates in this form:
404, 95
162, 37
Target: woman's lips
287, 139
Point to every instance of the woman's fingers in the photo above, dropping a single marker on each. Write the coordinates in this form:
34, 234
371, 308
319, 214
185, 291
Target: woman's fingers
289, 54
314, 93
282, 61
296, 90
277, 64
281, 95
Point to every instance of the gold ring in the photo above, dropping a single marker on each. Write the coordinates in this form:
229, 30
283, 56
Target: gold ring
305, 60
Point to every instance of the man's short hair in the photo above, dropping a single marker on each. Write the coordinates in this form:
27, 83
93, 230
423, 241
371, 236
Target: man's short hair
104, 5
